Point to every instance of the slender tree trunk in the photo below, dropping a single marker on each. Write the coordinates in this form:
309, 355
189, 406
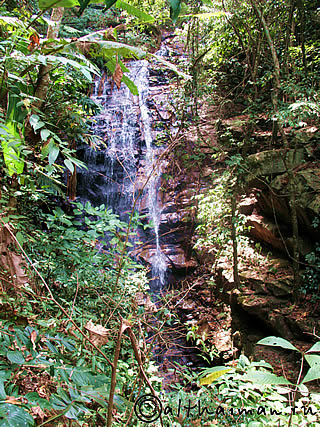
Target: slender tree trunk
234, 241
288, 164
44, 70
288, 34
302, 31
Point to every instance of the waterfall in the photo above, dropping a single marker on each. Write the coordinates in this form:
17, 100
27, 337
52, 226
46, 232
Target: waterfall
124, 165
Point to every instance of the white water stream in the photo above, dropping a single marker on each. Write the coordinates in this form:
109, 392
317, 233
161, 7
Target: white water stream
126, 160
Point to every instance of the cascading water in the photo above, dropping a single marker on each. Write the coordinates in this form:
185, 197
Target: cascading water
125, 164
125, 167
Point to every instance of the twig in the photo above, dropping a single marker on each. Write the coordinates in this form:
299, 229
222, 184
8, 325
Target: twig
122, 328
74, 299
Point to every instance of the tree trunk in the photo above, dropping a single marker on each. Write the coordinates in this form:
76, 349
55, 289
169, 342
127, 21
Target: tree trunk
289, 168
234, 241
44, 70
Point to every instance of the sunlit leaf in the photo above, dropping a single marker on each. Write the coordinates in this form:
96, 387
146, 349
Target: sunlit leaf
314, 348
313, 360
277, 342
53, 153
69, 165
171, 66
312, 374
20, 238
265, 378
134, 11
11, 144
47, 4
214, 375
45, 133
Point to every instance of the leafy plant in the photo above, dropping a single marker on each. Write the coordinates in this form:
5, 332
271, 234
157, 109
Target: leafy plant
311, 275
250, 393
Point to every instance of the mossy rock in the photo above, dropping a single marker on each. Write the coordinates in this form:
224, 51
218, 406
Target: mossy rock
274, 162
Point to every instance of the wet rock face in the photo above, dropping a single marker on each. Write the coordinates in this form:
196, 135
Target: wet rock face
175, 230
123, 172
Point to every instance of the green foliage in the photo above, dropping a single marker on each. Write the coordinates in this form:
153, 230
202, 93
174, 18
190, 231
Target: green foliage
249, 394
132, 10
208, 352
214, 216
311, 275
313, 360
175, 8
278, 342
67, 254
11, 146
94, 281
70, 383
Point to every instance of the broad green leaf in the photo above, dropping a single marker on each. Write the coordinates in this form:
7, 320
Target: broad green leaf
35, 400
213, 376
313, 360
46, 148
175, 7
277, 342
45, 133
47, 4
134, 11
79, 163
314, 348
3, 393
262, 364
171, 66
34, 119
16, 357
265, 378
303, 389
130, 84
312, 374
111, 48
86, 71
20, 238
53, 153
39, 125
14, 416
109, 3
11, 144
69, 165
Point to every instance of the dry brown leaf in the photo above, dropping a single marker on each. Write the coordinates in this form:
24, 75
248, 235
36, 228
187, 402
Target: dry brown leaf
108, 34
37, 412
180, 419
13, 400
97, 333
117, 76
33, 337
150, 306
139, 298
29, 357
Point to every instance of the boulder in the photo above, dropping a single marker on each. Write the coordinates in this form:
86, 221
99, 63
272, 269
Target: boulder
272, 162
263, 230
307, 186
248, 204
